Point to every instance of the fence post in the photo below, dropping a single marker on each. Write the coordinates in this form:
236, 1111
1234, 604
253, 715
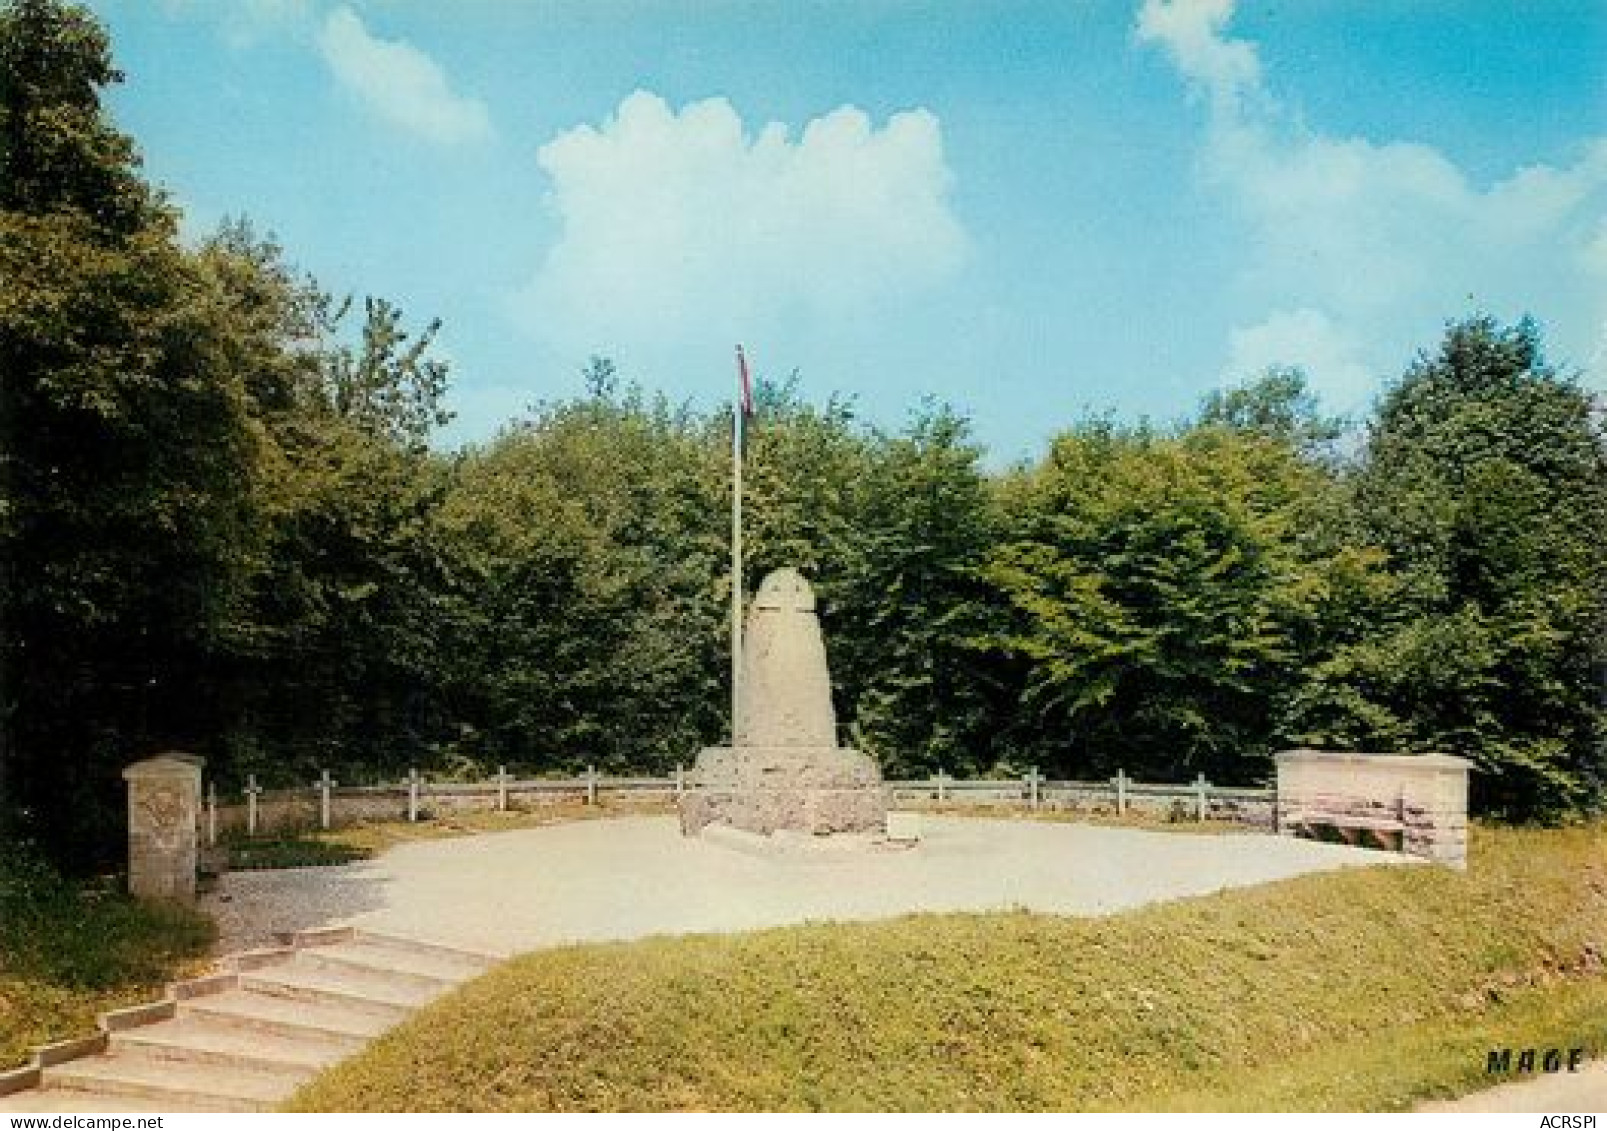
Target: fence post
1121, 793
942, 781
502, 789
412, 795
212, 814
1199, 795
253, 790
591, 785
325, 784
1033, 779
680, 779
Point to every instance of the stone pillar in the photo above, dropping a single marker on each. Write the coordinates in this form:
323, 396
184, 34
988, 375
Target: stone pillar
164, 802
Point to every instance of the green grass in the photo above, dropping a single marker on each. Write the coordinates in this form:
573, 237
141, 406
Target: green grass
1306, 993
70, 950
1392, 1071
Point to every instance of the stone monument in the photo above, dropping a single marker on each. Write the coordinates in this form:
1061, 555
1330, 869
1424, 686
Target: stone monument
164, 800
785, 770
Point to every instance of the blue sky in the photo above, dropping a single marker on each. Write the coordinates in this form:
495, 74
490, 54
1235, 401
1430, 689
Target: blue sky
1030, 210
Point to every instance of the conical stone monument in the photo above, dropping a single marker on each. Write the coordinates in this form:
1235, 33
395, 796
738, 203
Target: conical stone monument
785, 770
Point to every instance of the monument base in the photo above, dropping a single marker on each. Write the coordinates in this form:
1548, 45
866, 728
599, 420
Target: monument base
764, 789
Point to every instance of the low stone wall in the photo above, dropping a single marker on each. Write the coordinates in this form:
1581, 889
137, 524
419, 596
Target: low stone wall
1417, 801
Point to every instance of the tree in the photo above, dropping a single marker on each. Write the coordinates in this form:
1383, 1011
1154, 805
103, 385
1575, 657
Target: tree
920, 696
586, 557
122, 443
1484, 481
1278, 404
331, 657
1159, 594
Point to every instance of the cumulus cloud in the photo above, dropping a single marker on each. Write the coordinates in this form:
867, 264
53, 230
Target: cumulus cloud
1191, 32
1304, 338
1374, 244
678, 226
399, 82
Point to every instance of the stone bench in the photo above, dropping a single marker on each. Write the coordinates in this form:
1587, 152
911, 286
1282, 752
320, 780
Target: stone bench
1412, 803
1353, 819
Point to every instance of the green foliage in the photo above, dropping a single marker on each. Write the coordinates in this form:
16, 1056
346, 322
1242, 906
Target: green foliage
584, 555
1484, 481
1279, 405
923, 697
123, 443
1160, 590
70, 950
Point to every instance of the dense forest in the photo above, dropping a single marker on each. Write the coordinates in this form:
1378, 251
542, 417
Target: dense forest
225, 527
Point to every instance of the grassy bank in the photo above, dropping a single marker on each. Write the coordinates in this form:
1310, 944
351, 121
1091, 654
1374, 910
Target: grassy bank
69, 950
1257, 997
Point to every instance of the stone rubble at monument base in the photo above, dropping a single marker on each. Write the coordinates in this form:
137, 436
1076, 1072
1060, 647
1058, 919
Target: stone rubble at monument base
764, 789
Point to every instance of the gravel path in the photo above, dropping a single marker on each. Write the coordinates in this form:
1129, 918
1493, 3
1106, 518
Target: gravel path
1582, 1091
621, 879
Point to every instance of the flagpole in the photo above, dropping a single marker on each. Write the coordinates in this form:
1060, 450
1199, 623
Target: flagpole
736, 551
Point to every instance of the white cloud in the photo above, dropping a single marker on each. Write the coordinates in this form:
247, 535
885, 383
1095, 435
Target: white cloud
245, 23
1386, 239
678, 227
399, 82
1191, 32
1305, 338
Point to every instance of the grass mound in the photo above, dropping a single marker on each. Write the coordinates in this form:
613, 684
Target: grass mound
1206, 997
70, 950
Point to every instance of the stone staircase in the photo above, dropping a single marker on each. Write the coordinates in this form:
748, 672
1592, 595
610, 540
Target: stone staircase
243, 1039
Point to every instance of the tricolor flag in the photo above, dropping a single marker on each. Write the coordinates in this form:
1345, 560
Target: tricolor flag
744, 386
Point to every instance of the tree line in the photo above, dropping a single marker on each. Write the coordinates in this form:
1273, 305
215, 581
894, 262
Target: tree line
225, 528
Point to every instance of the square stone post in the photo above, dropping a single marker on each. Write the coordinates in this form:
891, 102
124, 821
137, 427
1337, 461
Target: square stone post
591, 785
1121, 792
412, 795
502, 789
164, 803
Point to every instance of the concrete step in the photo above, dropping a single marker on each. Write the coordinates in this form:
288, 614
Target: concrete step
284, 1016
203, 1087
249, 1047
476, 961
203, 1040
425, 971
375, 991
43, 1100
